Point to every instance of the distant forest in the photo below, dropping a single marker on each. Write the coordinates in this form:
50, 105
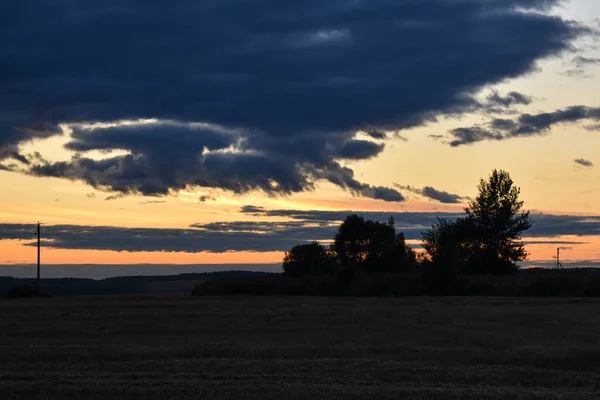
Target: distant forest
175, 284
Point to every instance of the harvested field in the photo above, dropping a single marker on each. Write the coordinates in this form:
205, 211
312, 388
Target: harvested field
183, 347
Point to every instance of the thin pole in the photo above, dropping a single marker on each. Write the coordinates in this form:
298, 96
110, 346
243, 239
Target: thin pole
558, 264
37, 287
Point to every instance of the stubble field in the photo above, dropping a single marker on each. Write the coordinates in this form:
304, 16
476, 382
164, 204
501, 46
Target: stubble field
181, 347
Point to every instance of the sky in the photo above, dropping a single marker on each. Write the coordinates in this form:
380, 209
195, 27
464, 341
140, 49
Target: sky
225, 132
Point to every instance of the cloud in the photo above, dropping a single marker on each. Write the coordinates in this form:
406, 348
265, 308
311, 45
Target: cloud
565, 264
545, 225
548, 225
554, 242
472, 135
216, 237
281, 93
167, 156
252, 210
509, 100
153, 202
436, 137
344, 178
582, 62
434, 194
114, 197
580, 67
496, 103
284, 229
583, 163
525, 125
359, 150
577, 73
376, 134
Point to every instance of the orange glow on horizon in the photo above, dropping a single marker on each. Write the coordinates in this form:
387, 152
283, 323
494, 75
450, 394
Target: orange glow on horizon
15, 252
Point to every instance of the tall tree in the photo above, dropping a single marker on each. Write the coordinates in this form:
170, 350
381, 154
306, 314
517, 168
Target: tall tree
497, 224
488, 239
352, 240
448, 243
372, 246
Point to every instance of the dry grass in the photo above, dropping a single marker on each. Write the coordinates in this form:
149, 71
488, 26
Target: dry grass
181, 347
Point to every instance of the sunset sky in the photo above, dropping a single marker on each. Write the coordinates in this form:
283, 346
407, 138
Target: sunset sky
225, 132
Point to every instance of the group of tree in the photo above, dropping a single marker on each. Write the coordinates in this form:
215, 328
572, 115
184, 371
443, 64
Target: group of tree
360, 245
487, 240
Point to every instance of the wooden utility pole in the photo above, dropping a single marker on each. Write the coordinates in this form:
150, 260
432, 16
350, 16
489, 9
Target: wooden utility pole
37, 285
558, 264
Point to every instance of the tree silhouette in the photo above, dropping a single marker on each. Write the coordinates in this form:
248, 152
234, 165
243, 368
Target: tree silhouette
308, 259
351, 241
497, 222
372, 246
488, 239
448, 243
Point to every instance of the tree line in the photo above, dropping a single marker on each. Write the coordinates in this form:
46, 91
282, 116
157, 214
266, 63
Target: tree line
486, 241
474, 255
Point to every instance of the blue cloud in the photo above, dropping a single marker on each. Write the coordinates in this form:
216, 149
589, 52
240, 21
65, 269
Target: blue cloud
525, 125
291, 81
274, 234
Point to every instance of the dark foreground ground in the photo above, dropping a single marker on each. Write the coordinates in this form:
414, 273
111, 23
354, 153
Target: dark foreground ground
180, 347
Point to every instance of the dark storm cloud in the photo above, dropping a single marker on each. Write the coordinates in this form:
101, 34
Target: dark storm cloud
263, 59
583, 162
434, 194
286, 83
169, 156
360, 150
524, 125
272, 235
168, 139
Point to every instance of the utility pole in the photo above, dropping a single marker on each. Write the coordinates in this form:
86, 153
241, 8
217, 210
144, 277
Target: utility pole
558, 264
37, 286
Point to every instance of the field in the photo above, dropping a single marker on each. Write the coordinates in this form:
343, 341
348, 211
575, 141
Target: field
183, 347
